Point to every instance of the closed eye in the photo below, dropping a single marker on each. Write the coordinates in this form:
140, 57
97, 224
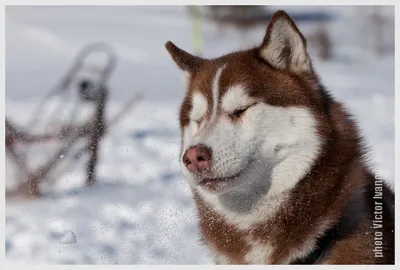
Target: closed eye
239, 113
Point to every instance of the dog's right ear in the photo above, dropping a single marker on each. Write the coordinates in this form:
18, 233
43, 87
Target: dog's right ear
185, 61
284, 47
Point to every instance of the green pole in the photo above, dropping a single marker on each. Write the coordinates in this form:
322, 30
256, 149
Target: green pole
197, 31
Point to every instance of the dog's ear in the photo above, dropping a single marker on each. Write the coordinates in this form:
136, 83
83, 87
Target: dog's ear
284, 47
185, 61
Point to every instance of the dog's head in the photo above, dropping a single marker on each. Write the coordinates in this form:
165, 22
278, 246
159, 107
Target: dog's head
250, 120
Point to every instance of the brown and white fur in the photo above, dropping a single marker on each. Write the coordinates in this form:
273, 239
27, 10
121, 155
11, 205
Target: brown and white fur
274, 161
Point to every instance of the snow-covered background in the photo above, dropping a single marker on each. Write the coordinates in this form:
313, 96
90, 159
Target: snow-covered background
140, 211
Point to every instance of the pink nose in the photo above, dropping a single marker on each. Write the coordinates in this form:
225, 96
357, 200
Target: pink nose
197, 158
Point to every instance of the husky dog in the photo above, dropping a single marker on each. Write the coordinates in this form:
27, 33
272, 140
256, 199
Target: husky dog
275, 163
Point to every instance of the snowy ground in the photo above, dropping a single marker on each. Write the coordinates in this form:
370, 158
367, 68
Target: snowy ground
141, 211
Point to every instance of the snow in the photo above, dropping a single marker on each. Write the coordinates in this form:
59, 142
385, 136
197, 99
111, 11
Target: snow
140, 210
68, 238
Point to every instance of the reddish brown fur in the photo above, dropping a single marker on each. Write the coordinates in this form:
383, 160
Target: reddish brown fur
324, 195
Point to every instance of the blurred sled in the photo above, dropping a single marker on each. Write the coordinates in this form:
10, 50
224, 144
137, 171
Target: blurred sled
68, 123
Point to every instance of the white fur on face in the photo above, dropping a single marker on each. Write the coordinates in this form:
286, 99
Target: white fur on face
215, 93
273, 146
199, 107
281, 145
235, 99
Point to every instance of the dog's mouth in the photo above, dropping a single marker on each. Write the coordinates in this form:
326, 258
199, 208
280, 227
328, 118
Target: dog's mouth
215, 184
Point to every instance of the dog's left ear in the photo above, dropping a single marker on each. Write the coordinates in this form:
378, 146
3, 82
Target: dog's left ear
284, 47
185, 61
